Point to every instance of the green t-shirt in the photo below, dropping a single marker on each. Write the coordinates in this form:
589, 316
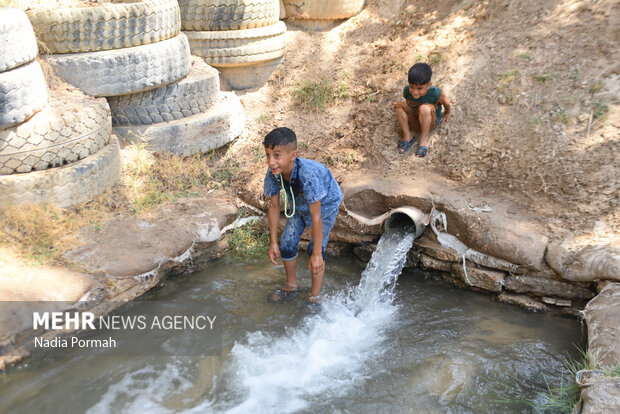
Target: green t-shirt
431, 97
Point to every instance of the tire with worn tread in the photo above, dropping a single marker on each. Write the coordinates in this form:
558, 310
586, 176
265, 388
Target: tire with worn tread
65, 186
71, 127
209, 15
69, 29
239, 47
23, 93
190, 96
249, 76
125, 71
17, 42
322, 9
220, 124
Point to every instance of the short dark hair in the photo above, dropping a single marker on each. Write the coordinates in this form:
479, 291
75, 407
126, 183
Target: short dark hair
420, 73
280, 137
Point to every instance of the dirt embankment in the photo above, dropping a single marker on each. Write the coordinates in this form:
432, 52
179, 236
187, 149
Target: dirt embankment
534, 86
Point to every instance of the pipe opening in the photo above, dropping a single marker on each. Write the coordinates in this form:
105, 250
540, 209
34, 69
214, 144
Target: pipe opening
409, 219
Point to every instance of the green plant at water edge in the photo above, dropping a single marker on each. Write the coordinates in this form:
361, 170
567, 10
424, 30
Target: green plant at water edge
560, 399
251, 241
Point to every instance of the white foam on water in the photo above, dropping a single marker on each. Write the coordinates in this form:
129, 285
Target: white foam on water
329, 354
144, 390
324, 357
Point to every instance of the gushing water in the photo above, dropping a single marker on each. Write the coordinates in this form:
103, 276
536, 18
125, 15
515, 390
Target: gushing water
328, 353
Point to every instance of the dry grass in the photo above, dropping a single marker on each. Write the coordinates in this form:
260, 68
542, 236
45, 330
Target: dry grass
43, 233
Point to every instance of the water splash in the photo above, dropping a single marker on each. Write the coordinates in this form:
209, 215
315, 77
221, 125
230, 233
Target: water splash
329, 353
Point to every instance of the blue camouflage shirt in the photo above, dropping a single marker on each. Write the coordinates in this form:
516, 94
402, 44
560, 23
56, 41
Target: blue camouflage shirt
311, 181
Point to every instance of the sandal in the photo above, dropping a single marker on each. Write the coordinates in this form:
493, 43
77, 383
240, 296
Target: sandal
281, 295
403, 146
313, 307
421, 152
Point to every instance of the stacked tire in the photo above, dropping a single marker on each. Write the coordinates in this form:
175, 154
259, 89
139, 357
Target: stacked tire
243, 39
55, 145
320, 14
134, 54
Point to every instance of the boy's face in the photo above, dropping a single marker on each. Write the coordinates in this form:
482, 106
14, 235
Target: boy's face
418, 91
281, 159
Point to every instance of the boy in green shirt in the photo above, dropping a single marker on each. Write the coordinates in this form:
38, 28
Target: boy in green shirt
422, 109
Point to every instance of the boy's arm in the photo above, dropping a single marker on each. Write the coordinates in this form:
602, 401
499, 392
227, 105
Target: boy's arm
316, 264
273, 215
443, 99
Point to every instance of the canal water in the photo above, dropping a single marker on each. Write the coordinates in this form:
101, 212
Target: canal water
382, 343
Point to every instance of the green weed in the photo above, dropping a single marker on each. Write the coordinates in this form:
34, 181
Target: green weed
600, 111
435, 59
317, 95
597, 87
506, 78
262, 118
225, 174
251, 241
545, 77
561, 117
509, 75
302, 146
522, 55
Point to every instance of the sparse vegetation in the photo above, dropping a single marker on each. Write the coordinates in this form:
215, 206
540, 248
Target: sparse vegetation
564, 398
43, 233
561, 117
600, 111
506, 79
509, 75
545, 77
435, 59
317, 95
250, 241
522, 55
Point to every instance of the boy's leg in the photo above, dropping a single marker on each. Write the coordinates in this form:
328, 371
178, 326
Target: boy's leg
426, 118
402, 116
317, 280
289, 243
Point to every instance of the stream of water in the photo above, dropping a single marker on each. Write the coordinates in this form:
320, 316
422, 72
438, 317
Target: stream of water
381, 344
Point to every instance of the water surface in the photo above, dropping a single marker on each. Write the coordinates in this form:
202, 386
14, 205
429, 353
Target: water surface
416, 346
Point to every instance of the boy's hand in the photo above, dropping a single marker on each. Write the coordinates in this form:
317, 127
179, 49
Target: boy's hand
445, 118
274, 253
316, 264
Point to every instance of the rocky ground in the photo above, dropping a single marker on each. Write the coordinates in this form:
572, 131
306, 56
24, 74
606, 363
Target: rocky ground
534, 86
